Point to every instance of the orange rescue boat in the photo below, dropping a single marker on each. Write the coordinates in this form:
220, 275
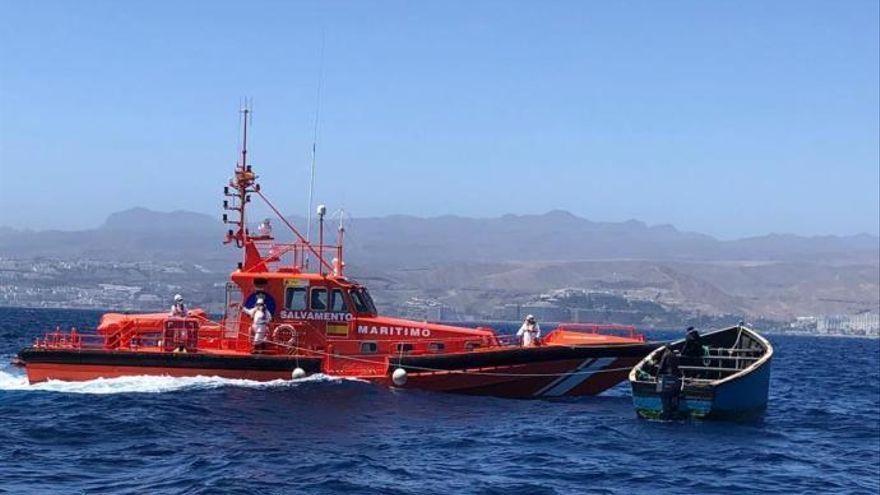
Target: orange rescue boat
324, 322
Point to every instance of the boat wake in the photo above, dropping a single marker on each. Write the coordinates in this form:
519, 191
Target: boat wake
13, 380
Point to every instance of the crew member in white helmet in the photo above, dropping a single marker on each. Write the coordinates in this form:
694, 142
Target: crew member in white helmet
178, 309
529, 332
264, 230
260, 316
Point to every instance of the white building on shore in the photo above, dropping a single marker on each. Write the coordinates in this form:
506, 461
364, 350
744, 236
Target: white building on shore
866, 323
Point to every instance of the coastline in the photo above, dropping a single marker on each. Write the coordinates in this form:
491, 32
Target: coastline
766, 331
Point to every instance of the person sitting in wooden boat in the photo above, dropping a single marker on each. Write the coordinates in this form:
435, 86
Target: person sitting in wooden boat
529, 332
669, 363
178, 308
260, 317
692, 350
669, 383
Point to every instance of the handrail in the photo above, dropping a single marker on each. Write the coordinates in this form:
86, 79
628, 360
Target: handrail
483, 340
597, 328
722, 349
731, 358
233, 332
707, 368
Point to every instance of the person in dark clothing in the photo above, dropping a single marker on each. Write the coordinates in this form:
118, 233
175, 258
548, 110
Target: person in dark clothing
668, 363
692, 351
669, 384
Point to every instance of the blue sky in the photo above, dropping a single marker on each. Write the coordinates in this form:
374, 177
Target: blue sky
729, 118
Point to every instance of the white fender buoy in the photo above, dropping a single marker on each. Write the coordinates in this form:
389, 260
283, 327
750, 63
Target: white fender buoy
298, 373
399, 377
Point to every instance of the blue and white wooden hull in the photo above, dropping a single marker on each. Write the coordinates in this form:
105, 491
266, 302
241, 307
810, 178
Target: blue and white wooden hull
741, 393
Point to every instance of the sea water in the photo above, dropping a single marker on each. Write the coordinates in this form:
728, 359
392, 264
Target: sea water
821, 433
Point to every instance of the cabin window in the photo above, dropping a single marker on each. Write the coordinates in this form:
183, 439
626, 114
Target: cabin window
369, 299
469, 346
436, 346
337, 302
403, 348
359, 303
318, 301
369, 347
362, 301
295, 298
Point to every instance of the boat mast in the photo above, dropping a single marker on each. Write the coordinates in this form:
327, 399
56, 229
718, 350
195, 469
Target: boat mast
245, 111
242, 184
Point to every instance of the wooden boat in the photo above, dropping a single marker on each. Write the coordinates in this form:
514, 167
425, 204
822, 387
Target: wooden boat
729, 378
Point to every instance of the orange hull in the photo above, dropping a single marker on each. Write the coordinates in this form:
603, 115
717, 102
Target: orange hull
452, 382
513, 372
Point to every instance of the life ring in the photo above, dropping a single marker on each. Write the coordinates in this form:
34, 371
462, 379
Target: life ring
284, 334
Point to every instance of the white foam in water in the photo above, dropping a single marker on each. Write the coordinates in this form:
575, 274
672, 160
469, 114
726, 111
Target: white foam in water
11, 380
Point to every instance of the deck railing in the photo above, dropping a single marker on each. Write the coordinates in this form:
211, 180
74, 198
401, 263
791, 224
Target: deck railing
236, 334
628, 331
294, 254
714, 364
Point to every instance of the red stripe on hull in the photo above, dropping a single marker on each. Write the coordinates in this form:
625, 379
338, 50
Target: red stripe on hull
603, 380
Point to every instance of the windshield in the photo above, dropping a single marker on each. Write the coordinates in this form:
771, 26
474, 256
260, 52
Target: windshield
362, 301
369, 300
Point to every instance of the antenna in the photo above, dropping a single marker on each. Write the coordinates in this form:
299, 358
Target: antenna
338, 263
242, 184
245, 112
315, 147
340, 214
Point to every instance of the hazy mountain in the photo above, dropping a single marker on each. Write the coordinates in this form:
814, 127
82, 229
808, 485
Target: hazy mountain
782, 246
479, 263
130, 235
406, 241
559, 235
149, 221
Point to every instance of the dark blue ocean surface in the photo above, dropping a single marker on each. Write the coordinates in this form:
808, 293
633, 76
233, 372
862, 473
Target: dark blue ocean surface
821, 433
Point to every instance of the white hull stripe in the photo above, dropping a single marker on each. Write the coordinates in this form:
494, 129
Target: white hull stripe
558, 380
579, 376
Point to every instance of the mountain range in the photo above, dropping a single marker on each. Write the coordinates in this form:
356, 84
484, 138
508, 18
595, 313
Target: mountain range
401, 240
470, 263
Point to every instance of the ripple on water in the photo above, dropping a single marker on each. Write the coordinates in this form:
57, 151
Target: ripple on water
199, 435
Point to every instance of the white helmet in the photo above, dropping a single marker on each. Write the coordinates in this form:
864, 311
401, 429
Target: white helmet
178, 298
260, 300
530, 318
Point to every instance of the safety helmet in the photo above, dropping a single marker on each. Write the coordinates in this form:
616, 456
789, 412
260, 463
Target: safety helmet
530, 318
260, 300
178, 298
